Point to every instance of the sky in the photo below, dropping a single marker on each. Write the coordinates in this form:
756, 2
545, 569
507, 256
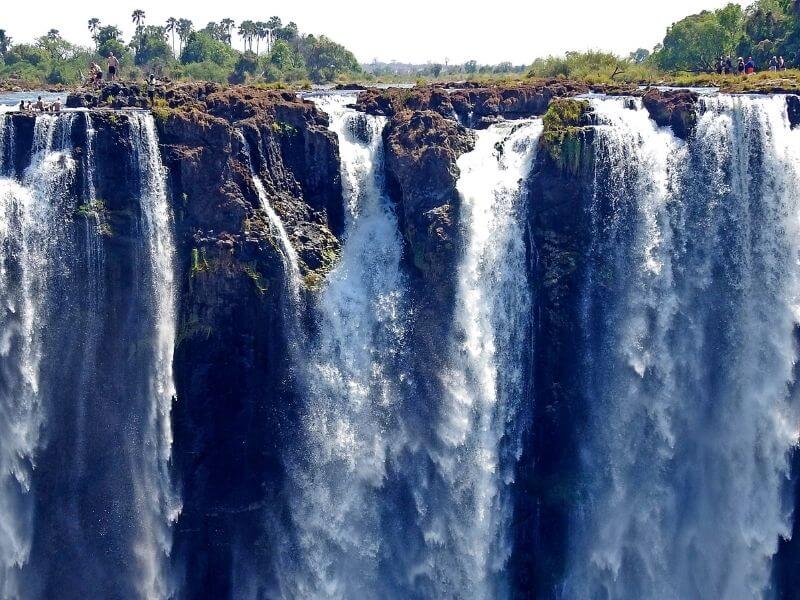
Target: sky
416, 31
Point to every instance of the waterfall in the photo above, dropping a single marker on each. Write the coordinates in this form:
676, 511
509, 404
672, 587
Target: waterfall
690, 310
288, 252
29, 236
6, 144
160, 506
86, 501
351, 384
466, 523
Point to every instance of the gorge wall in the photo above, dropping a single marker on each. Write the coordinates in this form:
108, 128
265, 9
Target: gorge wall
482, 343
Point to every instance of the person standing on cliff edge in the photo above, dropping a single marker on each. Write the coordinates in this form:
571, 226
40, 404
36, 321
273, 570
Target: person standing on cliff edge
113, 66
151, 89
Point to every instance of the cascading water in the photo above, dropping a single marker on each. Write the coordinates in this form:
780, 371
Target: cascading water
358, 433
351, 384
690, 313
29, 232
465, 522
65, 483
153, 486
288, 252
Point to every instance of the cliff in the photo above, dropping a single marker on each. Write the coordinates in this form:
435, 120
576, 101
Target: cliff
235, 329
237, 320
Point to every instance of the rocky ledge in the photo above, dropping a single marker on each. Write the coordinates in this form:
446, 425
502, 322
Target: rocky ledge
479, 107
473, 107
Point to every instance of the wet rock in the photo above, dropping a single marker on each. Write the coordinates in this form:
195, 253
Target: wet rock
421, 152
793, 110
674, 108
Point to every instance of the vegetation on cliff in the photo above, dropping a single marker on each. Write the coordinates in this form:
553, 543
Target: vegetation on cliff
563, 123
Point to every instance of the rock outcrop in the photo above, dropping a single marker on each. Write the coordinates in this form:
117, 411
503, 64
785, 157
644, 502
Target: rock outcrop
673, 108
422, 148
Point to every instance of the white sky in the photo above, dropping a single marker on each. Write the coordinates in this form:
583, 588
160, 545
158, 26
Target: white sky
410, 30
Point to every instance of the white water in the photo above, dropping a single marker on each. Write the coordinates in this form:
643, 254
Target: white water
466, 529
288, 251
6, 142
29, 235
690, 308
352, 381
157, 501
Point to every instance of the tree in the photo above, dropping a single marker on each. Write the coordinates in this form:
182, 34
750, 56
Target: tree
94, 25
260, 32
26, 53
56, 47
640, 55
326, 59
184, 29
109, 39
282, 56
695, 43
228, 25
471, 66
290, 33
5, 42
246, 32
202, 47
152, 45
137, 16
171, 28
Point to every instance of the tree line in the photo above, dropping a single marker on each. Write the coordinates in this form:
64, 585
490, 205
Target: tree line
764, 29
271, 51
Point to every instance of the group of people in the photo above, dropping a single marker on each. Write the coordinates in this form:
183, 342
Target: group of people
746, 67
96, 72
40, 105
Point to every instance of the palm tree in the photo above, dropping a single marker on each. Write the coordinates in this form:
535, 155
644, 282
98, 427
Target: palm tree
94, 25
5, 41
172, 27
260, 31
53, 34
227, 25
137, 17
246, 32
184, 29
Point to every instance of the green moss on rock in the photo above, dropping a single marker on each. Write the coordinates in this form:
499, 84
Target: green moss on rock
563, 123
96, 211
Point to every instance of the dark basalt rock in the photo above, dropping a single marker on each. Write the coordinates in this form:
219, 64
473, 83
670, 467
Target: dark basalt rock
793, 110
674, 108
545, 494
232, 293
421, 153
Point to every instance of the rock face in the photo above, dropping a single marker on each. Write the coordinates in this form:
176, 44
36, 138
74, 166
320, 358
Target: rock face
233, 346
560, 182
676, 109
421, 152
234, 295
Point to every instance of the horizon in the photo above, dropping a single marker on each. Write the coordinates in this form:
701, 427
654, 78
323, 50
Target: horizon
528, 35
